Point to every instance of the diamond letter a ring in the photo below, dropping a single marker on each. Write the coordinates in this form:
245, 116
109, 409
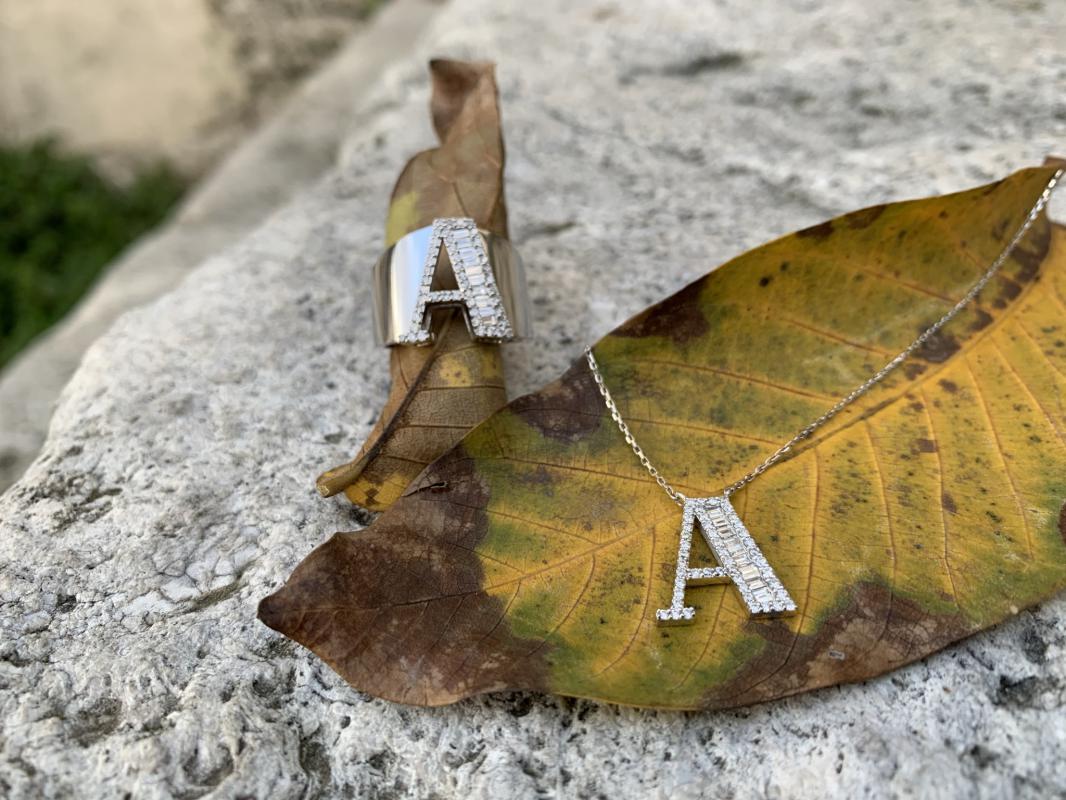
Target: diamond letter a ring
486, 282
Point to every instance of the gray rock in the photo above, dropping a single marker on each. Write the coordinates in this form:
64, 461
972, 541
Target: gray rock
648, 142
283, 157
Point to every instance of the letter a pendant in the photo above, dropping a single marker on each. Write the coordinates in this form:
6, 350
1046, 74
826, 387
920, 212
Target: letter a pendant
740, 562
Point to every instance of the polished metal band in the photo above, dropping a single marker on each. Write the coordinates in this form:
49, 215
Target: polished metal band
489, 285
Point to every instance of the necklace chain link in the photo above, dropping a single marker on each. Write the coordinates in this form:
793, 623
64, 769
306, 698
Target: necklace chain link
845, 401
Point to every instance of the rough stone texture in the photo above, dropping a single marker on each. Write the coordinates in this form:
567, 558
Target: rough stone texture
273, 165
131, 82
647, 143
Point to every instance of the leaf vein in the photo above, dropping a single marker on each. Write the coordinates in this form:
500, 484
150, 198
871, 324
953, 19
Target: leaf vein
983, 403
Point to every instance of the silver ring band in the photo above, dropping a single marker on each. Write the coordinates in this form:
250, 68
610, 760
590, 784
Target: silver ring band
486, 281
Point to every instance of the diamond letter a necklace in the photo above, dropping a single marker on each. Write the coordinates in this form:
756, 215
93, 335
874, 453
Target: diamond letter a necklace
740, 560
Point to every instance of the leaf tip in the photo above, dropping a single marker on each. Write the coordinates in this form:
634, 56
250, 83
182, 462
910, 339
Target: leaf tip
271, 611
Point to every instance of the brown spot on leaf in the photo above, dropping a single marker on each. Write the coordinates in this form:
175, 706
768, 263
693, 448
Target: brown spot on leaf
1031, 251
948, 386
872, 626
864, 217
399, 609
948, 502
938, 348
1008, 290
1062, 522
923, 445
538, 477
819, 232
999, 230
991, 188
912, 369
678, 318
567, 409
982, 319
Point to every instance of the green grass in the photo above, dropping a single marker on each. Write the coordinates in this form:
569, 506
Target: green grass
61, 223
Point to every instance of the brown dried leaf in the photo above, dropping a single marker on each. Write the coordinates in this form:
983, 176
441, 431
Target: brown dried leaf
438, 393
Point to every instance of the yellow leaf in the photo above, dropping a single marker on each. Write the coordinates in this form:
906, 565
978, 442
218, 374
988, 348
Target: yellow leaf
535, 554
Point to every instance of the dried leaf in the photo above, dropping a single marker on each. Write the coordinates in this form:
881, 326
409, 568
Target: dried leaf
535, 553
438, 393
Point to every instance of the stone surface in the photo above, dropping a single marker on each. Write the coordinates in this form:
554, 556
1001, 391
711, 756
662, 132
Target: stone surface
280, 159
105, 78
648, 142
131, 82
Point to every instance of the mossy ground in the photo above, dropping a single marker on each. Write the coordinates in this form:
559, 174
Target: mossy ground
61, 223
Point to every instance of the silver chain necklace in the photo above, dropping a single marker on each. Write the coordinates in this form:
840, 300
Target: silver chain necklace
740, 560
